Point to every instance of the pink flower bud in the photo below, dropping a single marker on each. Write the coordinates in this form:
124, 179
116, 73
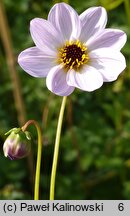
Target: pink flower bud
17, 145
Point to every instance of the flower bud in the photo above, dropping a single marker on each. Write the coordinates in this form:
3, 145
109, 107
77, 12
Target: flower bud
17, 145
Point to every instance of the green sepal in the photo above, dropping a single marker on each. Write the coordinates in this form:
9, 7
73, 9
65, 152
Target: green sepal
28, 135
15, 130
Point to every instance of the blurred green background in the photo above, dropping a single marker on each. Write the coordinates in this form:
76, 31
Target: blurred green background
94, 160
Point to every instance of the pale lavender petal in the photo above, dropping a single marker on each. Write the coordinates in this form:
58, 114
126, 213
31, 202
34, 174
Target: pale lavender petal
111, 38
56, 82
89, 79
93, 20
66, 20
35, 62
108, 62
45, 36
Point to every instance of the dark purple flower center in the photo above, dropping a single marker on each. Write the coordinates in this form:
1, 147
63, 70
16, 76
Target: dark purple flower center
73, 55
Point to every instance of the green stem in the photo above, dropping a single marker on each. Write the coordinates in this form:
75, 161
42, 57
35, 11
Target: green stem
56, 150
39, 154
127, 9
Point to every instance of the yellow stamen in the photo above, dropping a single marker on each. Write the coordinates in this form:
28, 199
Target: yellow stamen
73, 55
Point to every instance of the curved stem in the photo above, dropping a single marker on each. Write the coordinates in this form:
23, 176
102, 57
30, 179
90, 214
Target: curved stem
39, 153
56, 150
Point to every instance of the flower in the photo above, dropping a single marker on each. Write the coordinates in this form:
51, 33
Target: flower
17, 145
74, 51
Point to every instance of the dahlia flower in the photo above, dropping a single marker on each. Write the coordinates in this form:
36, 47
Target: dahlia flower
74, 50
17, 145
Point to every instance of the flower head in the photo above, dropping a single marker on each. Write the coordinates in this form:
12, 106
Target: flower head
74, 51
17, 145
